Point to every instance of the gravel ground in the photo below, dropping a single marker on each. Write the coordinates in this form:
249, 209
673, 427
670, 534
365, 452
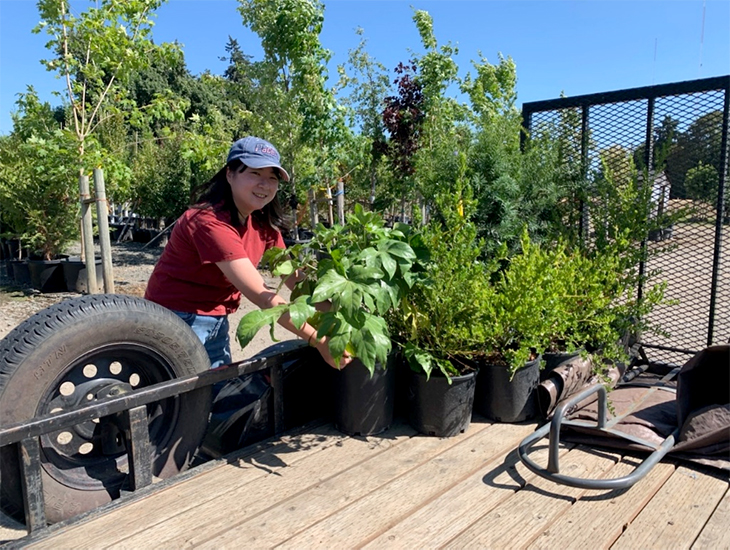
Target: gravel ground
132, 266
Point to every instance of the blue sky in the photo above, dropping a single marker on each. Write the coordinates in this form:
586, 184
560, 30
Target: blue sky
575, 47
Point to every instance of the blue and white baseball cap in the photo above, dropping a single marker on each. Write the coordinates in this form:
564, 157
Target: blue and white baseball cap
256, 153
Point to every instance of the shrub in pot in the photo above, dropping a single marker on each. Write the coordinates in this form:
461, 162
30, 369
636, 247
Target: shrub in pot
435, 326
361, 271
518, 319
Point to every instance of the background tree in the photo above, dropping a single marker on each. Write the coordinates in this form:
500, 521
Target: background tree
37, 185
444, 132
367, 85
291, 105
402, 117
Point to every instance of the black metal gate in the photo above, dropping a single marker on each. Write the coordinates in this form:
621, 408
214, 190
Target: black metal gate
678, 134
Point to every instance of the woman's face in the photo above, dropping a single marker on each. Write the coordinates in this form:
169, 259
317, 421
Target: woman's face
253, 188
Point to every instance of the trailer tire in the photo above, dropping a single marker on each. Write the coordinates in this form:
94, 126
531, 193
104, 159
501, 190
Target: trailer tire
66, 356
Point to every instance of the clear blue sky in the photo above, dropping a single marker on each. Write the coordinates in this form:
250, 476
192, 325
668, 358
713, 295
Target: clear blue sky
575, 47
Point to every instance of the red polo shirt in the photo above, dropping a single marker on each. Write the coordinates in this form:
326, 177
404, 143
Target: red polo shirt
186, 278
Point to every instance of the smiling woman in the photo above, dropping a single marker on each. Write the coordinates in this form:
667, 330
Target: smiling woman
215, 248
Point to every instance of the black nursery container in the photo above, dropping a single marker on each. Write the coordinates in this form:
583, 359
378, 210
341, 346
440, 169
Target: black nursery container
47, 275
502, 400
364, 404
438, 408
74, 274
20, 271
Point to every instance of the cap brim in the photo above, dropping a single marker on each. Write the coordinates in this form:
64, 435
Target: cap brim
258, 163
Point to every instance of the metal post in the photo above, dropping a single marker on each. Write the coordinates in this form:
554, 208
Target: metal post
313, 210
720, 206
341, 201
139, 453
584, 143
87, 234
649, 160
102, 215
33, 502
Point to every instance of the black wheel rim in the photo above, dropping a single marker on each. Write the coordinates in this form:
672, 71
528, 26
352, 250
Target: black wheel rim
91, 455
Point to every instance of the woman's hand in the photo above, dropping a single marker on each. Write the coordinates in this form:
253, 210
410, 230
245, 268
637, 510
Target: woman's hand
324, 350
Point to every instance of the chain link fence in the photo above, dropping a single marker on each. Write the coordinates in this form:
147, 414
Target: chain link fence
674, 136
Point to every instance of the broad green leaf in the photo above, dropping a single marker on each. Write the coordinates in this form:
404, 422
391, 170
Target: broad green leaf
329, 287
364, 274
253, 321
285, 268
300, 311
388, 263
398, 249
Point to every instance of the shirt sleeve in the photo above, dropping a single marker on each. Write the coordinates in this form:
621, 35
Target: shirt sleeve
217, 241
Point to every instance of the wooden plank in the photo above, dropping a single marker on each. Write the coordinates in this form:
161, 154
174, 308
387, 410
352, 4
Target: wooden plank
310, 435
10, 529
465, 503
237, 503
599, 517
522, 517
716, 533
677, 514
157, 508
380, 510
295, 514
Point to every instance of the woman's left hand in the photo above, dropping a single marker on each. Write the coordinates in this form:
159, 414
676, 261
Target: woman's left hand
324, 350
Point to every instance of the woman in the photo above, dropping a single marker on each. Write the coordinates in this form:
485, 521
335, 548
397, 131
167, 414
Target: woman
215, 247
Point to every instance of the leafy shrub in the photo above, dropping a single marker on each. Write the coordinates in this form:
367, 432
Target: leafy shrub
362, 270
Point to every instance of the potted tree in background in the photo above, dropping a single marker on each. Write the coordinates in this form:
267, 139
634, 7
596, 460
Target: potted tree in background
38, 189
360, 271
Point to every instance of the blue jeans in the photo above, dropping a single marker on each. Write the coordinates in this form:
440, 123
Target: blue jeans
213, 332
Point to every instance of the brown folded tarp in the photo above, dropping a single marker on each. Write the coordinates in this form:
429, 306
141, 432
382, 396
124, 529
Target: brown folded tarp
697, 402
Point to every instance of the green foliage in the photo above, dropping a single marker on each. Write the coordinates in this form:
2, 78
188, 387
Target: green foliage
436, 324
702, 183
290, 103
366, 85
519, 317
94, 52
362, 270
37, 186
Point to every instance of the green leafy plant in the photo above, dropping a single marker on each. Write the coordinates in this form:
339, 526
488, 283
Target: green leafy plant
523, 310
361, 271
436, 325
37, 189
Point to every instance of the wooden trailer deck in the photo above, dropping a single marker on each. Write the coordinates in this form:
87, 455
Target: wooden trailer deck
317, 488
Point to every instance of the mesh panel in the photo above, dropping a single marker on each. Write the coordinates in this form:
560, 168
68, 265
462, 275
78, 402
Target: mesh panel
685, 167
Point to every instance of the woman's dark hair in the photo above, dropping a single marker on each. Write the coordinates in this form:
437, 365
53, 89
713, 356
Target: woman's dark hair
216, 194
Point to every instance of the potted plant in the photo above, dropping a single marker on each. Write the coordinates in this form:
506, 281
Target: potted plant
361, 271
435, 328
38, 190
518, 320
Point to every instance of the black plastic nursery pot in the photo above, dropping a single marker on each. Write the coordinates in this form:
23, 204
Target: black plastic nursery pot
74, 274
47, 275
438, 408
364, 404
20, 272
504, 400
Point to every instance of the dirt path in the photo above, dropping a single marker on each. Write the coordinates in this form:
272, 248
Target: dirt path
132, 268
